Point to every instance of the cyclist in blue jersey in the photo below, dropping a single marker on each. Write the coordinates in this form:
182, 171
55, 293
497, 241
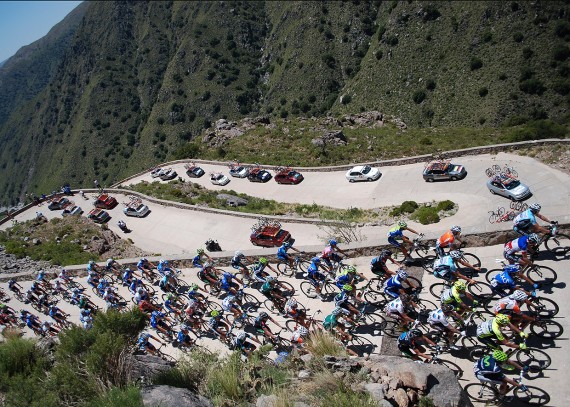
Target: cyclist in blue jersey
282, 254
227, 283
197, 260
183, 339
504, 284
526, 245
144, 344
315, 277
146, 267
163, 266
379, 267
397, 233
410, 344
488, 369
259, 272
446, 267
525, 222
393, 286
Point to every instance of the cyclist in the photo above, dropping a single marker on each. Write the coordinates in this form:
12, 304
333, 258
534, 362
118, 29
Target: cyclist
282, 254
75, 296
17, 288
193, 313
298, 338
111, 298
85, 303
454, 296
526, 245
197, 260
525, 222
450, 239
135, 285
193, 293
332, 324
348, 276
259, 270
102, 286
488, 370
504, 284
228, 285
397, 309
410, 344
144, 344
511, 306
58, 315
65, 277
216, 325
158, 321
163, 266
167, 282
141, 295
297, 314
208, 274
315, 277
489, 333
242, 343
229, 305
331, 253
111, 266
397, 233
237, 262
260, 325
37, 288
393, 286
146, 268
342, 300
437, 319
128, 276
32, 322
172, 305
93, 280
446, 267
182, 338
87, 322
378, 265
93, 267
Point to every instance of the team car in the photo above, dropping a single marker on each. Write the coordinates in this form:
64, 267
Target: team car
156, 172
168, 174
136, 209
105, 201
59, 203
193, 171
99, 215
508, 187
363, 173
72, 210
288, 176
218, 178
443, 170
270, 236
259, 175
238, 171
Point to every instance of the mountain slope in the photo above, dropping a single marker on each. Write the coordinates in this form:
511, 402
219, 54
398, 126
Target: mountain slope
139, 80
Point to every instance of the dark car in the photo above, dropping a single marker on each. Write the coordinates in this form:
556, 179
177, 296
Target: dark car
59, 203
193, 171
289, 176
259, 175
270, 236
444, 170
99, 216
105, 201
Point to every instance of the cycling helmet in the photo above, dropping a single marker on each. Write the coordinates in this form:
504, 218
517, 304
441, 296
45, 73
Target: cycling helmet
402, 274
415, 333
455, 254
242, 336
286, 244
140, 291
303, 331
184, 327
238, 253
333, 242
350, 269
200, 251
263, 261
337, 311
347, 287
535, 208
194, 287
291, 302
231, 299
402, 224
270, 279
502, 319
460, 285
215, 313
499, 355
533, 237
447, 307
455, 229
316, 260
385, 253
144, 259
263, 315
518, 295
128, 269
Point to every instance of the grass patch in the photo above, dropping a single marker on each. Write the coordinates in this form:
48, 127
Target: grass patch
321, 343
328, 390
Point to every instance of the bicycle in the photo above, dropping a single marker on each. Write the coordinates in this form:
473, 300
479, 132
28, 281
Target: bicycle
422, 249
328, 288
312, 322
556, 243
546, 275
535, 359
243, 320
436, 360
298, 264
488, 393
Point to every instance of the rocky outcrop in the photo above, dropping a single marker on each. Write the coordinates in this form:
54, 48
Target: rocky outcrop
9, 264
232, 200
330, 138
168, 396
148, 366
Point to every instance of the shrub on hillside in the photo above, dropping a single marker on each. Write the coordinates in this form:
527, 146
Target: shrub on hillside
405, 207
426, 215
538, 129
532, 86
476, 63
446, 205
419, 96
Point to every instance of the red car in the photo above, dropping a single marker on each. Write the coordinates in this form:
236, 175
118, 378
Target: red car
99, 216
105, 201
289, 176
270, 236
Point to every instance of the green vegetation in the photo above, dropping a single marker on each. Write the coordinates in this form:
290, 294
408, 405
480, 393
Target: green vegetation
424, 213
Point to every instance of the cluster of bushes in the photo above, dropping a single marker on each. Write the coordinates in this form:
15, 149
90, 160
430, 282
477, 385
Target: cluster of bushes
423, 214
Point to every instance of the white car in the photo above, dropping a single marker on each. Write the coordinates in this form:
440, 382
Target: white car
363, 173
239, 171
219, 179
157, 172
138, 210
72, 210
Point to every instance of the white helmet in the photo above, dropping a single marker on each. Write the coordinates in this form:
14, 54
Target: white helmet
456, 229
519, 295
238, 253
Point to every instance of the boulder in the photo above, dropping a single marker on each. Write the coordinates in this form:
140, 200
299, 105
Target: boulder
376, 391
168, 396
148, 366
232, 200
401, 398
267, 401
303, 374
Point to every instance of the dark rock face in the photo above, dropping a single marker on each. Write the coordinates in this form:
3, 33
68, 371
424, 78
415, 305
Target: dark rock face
168, 396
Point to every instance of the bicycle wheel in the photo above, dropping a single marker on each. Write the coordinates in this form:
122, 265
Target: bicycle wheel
545, 308
214, 290
270, 305
423, 250
373, 297
489, 172
304, 265
329, 289
547, 329
211, 306
416, 283
392, 329
425, 304
535, 359
471, 259
437, 289
542, 275
373, 324
492, 217
477, 352
249, 301
451, 366
482, 392
559, 244
308, 289
292, 325
496, 168
427, 264
532, 396
481, 291
285, 269
376, 285
288, 291
491, 274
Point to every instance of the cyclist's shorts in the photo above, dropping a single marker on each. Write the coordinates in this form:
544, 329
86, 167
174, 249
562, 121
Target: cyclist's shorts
283, 258
512, 258
406, 350
438, 326
393, 294
496, 378
394, 242
259, 330
489, 341
444, 273
314, 282
238, 266
226, 287
522, 229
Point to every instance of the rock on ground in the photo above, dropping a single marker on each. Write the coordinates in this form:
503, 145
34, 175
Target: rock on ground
168, 396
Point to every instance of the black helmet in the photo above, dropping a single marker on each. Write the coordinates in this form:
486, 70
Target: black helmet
415, 333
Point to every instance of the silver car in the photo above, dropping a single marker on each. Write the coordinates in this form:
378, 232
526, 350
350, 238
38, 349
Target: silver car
508, 187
